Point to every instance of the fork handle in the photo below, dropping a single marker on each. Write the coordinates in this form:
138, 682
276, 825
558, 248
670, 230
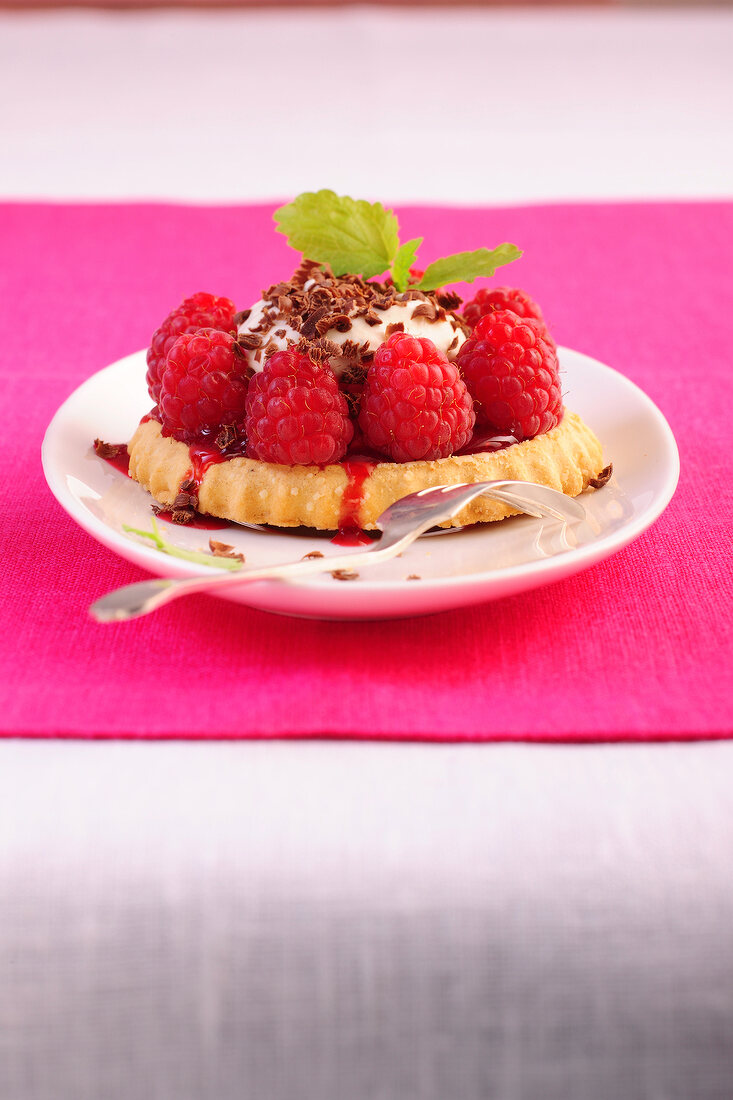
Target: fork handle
134, 600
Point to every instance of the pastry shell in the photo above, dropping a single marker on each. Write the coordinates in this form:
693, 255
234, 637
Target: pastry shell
245, 490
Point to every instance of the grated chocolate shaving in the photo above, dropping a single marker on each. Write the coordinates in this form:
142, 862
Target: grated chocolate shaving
313, 349
312, 556
350, 349
303, 272
315, 301
605, 476
344, 574
226, 437
354, 375
185, 500
365, 354
462, 324
340, 322
180, 516
249, 341
353, 399
329, 346
224, 550
309, 326
396, 326
242, 316
414, 577
108, 450
448, 299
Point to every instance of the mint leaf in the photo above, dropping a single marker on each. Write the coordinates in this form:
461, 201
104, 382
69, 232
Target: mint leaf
176, 552
403, 262
464, 267
354, 237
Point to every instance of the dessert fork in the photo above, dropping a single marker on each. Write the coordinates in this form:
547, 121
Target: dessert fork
400, 524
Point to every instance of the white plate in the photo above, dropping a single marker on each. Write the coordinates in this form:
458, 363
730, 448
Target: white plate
456, 569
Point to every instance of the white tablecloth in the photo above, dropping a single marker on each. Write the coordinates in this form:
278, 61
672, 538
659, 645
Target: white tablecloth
341, 921
458, 106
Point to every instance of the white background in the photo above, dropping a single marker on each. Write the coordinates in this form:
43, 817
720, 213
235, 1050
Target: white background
504, 105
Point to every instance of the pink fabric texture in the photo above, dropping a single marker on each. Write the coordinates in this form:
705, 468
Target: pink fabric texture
638, 647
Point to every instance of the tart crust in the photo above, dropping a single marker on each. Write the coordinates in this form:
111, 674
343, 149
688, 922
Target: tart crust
245, 490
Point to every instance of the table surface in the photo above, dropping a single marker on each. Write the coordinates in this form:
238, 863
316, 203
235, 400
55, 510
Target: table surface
377, 920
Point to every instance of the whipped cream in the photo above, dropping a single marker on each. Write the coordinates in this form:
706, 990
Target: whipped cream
270, 326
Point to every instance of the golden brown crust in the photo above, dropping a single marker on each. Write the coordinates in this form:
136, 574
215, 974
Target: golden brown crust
247, 491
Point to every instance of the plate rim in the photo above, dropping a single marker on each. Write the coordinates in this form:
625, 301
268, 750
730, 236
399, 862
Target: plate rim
544, 571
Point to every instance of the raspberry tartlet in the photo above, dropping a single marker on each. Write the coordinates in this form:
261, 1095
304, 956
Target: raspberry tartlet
353, 383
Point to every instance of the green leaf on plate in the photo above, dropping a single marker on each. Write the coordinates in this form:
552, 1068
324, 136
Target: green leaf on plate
176, 551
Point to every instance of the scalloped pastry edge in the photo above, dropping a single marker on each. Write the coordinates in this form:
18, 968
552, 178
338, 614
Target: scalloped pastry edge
245, 490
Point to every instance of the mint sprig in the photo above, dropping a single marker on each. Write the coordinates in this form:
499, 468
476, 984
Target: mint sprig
354, 237
360, 238
403, 261
464, 267
176, 551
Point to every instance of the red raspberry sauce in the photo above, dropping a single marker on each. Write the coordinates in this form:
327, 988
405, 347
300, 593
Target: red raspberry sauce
201, 458
349, 532
483, 442
121, 461
357, 469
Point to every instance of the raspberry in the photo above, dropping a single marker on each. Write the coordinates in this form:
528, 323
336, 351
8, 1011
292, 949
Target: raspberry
200, 311
415, 403
510, 367
296, 414
490, 299
204, 385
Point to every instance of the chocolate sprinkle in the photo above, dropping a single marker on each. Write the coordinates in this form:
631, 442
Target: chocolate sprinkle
344, 574
312, 556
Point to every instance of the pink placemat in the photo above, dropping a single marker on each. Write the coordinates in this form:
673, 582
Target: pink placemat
638, 647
